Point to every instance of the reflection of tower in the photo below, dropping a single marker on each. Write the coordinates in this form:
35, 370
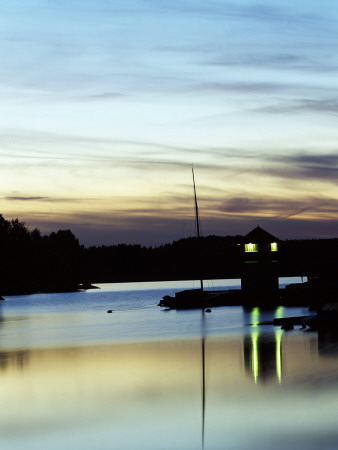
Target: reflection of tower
16, 360
328, 343
263, 352
259, 273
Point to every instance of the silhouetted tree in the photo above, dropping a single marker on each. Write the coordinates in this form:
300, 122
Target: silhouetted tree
31, 263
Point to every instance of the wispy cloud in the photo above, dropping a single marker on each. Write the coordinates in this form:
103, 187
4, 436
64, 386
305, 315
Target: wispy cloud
241, 87
74, 200
27, 199
105, 96
302, 105
301, 166
280, 208
267, 59
243, 9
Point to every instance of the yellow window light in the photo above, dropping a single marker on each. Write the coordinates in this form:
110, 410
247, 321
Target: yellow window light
274, 247
251, 247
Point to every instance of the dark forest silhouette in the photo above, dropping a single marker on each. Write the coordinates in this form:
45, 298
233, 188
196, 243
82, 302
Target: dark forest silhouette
57, 262
212, 257
31, 262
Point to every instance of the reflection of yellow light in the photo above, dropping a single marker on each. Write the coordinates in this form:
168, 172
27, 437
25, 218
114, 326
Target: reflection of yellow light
254, 344
278, 336
251, 247
279, 312
254, 355
274, 247
255, 316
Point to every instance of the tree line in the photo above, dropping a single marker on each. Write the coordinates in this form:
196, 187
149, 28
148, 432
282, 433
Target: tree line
32, 262
210, 257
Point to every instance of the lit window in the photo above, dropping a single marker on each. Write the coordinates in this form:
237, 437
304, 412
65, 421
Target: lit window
251, 247
274, 247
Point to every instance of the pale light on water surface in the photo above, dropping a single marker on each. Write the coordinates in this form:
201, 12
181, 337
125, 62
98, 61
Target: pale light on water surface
74, 383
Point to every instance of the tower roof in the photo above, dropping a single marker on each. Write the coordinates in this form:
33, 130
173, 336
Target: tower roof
259, 235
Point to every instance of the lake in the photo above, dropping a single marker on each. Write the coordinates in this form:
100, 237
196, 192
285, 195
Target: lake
73, 376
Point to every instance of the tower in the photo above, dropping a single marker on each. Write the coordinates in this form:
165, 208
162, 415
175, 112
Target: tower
259, 271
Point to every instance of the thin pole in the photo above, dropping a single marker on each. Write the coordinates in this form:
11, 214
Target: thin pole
196, 216
196, 206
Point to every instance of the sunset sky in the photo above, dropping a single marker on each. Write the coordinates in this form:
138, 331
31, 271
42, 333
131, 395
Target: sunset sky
106, 104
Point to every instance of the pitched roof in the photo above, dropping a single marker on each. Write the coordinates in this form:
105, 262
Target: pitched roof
260, 236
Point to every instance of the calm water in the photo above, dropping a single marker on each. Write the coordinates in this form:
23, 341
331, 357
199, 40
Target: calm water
73, 376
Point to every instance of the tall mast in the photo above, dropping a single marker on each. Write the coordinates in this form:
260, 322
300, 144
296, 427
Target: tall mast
196, 215
196, 206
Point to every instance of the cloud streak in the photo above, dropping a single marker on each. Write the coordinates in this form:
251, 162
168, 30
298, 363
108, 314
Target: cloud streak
27, 199
302, 166
302, 105
280, 208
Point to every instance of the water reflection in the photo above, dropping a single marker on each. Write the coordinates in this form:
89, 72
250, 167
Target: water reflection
203, 333
328, 343
263, 356
262, 351
16, 360
148, 395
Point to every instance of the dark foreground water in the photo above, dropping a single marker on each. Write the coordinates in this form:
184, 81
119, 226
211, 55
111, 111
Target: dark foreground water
73, 376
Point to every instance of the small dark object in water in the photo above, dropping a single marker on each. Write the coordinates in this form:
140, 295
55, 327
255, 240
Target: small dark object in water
109, 311
287, 326
208, 310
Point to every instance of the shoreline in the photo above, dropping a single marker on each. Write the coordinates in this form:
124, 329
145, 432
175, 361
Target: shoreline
15, 292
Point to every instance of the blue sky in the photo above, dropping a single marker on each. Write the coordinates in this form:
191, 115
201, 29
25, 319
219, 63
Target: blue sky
105, 105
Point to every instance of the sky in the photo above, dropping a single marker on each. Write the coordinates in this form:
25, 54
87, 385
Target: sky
107, 104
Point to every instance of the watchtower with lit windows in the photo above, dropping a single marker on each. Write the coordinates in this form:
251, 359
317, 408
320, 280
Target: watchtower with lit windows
259, 274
